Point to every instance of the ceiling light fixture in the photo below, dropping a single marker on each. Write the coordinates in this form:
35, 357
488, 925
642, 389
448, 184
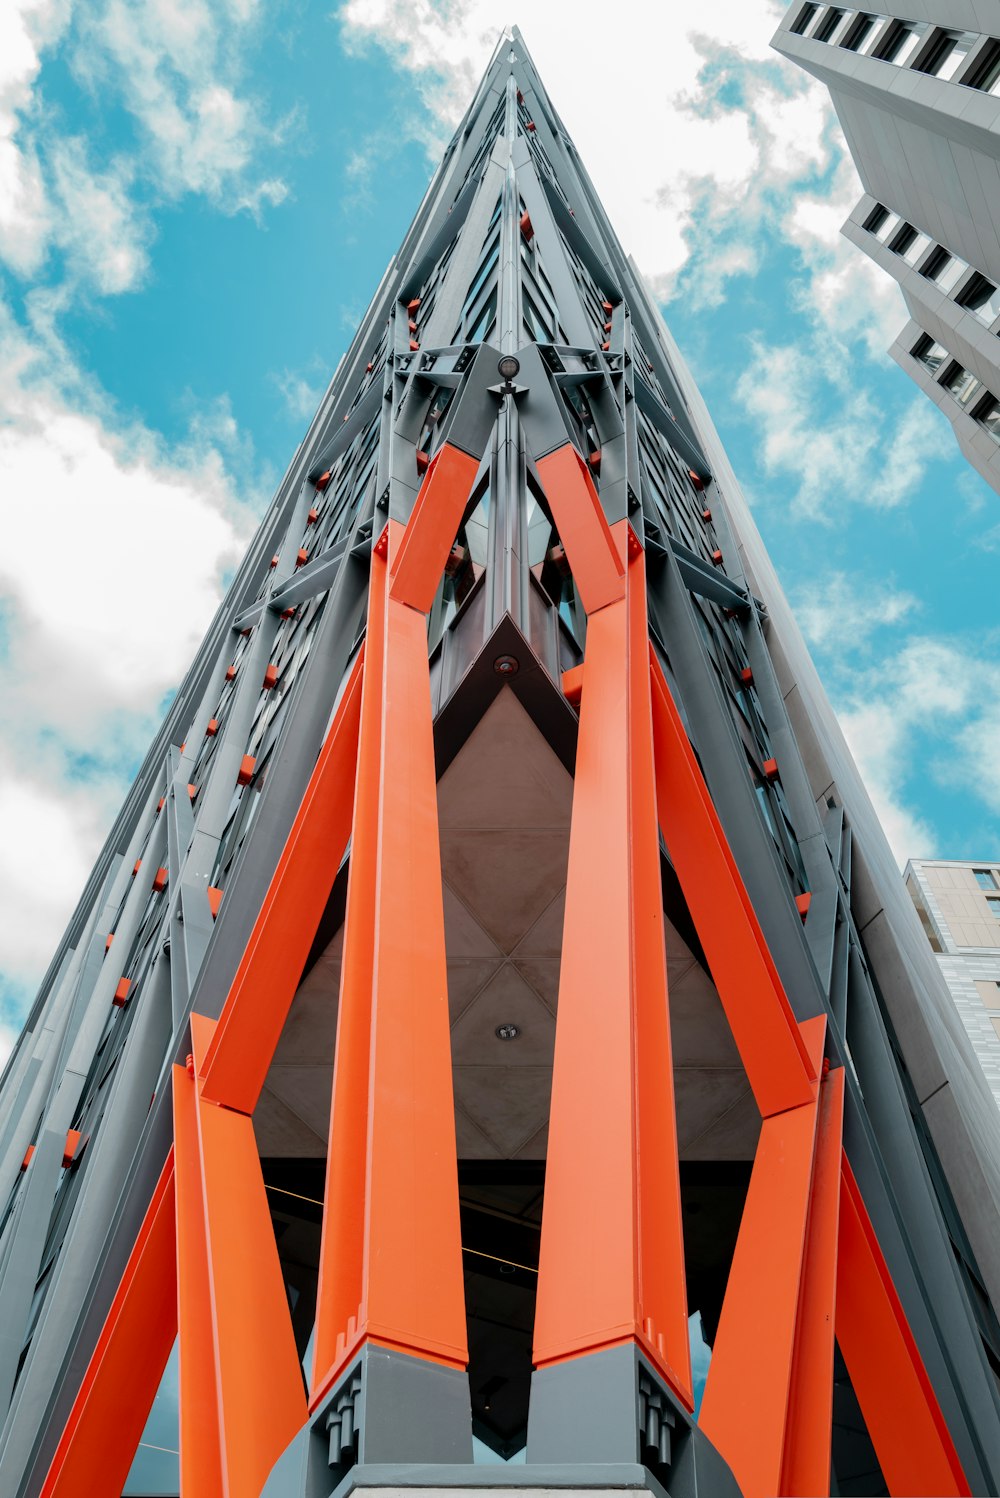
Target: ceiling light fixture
508, 1031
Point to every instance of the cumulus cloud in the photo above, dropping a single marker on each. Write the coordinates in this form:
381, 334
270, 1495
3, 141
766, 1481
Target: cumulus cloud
843, 613
930, 708
826, 434
179, 72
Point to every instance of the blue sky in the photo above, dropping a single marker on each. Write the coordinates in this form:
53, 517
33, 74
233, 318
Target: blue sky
196, 204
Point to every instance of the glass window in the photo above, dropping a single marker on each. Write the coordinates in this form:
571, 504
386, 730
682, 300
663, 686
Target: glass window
981, 297
994, 907
876, 219
807, 14
948, 53
962, 383
944, 269
916, 248
984, 879
859, 36
889, 226
901, 242
831, 25
903, 41
930, 353
986, 74
988, 416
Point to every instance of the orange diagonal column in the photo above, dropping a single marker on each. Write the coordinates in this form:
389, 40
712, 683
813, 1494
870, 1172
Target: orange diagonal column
257, 1006
242, 1398
391, 1263
907, 1429
776, 1328
99, 1442
769, 1040
612, 1262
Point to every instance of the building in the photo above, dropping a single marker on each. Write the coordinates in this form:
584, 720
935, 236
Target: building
959, 909
916, 86
496, 1000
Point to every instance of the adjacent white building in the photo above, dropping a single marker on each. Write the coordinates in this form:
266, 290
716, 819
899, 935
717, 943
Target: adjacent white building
959, 909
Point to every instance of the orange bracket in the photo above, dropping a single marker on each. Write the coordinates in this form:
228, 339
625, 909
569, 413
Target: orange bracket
598, 568
257, 1006
391, 1258
907, 1429
430, 533
105, 1425
612, 1254
777, 1063
242, 1398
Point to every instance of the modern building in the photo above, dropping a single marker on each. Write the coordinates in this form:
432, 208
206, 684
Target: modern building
916, 86
495, 1031
959, 909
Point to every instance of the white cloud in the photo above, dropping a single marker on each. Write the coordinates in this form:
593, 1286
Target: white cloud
102, 230
300, 395
844, 612
933, 707
26, 28
178, 69
818, 427
113, 553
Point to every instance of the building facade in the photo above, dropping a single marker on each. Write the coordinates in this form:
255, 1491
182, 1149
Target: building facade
916, 87
496, 1027
959, 909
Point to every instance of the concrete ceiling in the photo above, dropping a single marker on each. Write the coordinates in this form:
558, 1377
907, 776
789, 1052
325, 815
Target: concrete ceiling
504, 807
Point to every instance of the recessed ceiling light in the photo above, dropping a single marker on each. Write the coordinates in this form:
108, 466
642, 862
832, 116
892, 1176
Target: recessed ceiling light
508, 1031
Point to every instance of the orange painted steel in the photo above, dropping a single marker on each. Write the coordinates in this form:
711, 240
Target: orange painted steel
262, 991
598, 568
232, 1297
778, 1067
341, 1267
395, 1275
905, 1423
198, 1401
745, 1407
805, 1470
98, 1444
419, 561
612, 1257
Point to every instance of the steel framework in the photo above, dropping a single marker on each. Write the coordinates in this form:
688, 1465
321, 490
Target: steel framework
511, 515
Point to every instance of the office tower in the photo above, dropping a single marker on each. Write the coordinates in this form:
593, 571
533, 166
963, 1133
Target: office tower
959, 908
496, 999
916, 87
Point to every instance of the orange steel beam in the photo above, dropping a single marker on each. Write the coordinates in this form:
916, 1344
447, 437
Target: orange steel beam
744, 1410
241, 1301
105, 1425
341, 1267
612, 1254
777, 1064
419, 561
199, 1436
907, 1429
805, 1469
397, 1104
257, 1006
597, 565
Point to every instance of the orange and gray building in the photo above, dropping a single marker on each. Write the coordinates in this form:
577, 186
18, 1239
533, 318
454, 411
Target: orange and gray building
916, 87
495, 1033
